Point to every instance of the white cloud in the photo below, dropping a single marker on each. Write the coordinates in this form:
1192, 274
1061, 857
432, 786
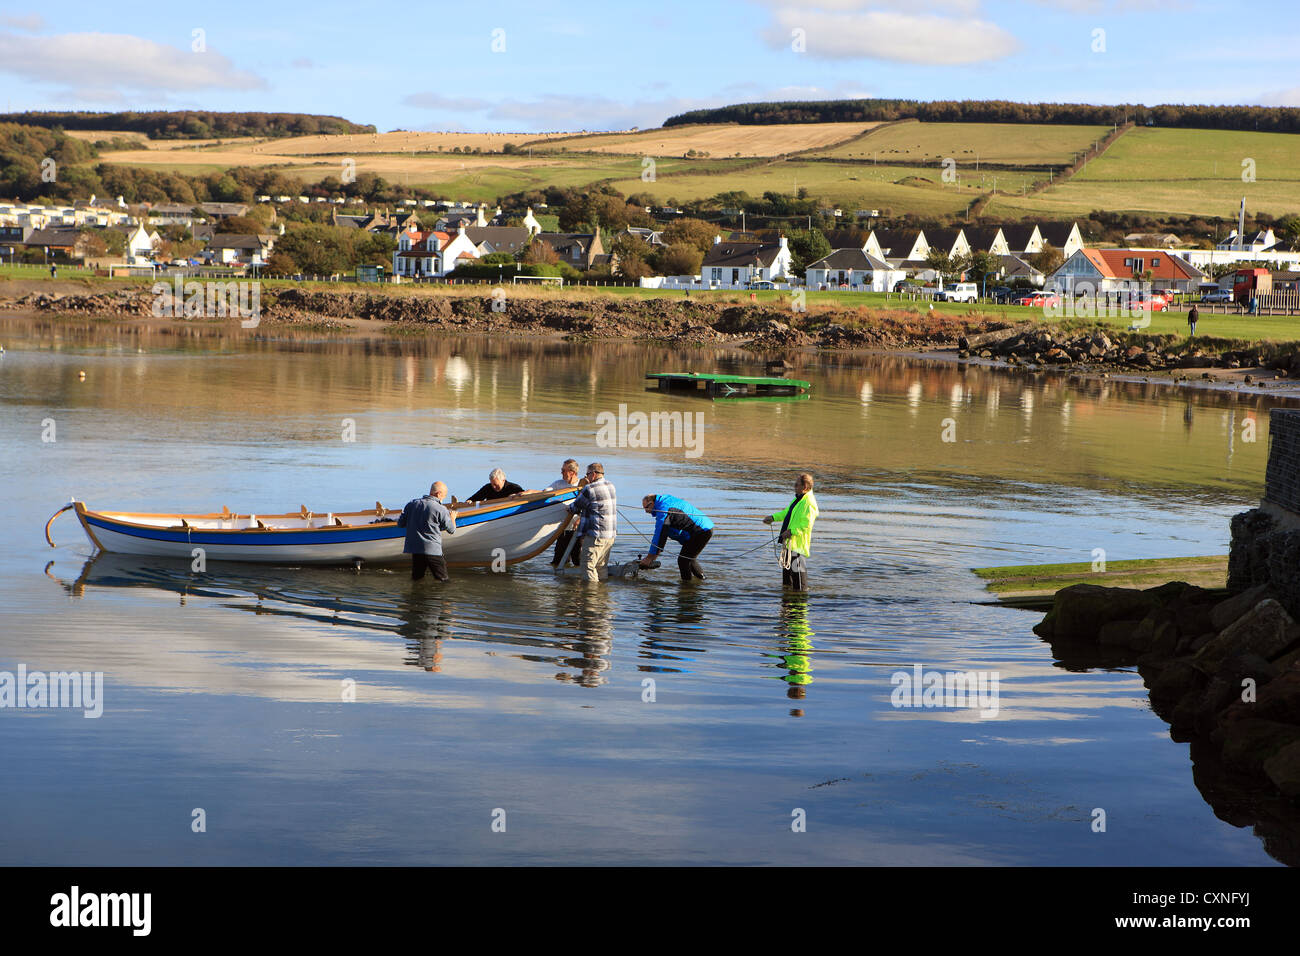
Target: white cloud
452, 104
123, 62
1289, 97
31, 22
1114, 6
901, 37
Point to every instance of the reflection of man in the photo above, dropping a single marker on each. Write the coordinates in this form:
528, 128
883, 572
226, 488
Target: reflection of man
798, 648
425, 519
597, 506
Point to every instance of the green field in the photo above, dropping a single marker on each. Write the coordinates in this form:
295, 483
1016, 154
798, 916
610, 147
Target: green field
928, 144
1181, 171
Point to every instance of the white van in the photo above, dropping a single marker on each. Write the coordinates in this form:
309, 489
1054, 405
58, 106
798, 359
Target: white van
962, 292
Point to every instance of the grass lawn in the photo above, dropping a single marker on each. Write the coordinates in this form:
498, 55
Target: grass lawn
1207, 572
24, 271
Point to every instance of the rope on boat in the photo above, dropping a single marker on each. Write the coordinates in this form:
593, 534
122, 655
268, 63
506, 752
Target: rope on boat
70, 504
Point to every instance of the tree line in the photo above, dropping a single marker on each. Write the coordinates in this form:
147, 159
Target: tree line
1273, 119
191, 124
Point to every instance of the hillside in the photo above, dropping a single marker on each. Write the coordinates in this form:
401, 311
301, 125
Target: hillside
190, 124
1038, 170
1279, 119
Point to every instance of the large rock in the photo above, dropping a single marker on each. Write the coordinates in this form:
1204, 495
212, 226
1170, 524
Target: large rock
1267, 630
1283, 768
1227, 611
1172, 683
1248, 743
1080, 610
1201, 711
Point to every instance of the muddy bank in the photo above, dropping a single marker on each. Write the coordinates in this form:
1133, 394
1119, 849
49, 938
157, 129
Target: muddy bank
685, 321
766, 327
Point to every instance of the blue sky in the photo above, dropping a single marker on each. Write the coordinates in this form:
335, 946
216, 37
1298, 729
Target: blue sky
577, 65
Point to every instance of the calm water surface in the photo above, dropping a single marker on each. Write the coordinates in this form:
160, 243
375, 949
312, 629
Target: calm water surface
518, 692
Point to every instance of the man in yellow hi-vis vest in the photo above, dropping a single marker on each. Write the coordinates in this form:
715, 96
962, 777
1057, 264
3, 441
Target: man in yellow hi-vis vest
796, 533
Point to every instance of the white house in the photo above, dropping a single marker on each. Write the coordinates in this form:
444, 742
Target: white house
1248, 242
140, 243
853, 269
432, 253
734, 265
531, 223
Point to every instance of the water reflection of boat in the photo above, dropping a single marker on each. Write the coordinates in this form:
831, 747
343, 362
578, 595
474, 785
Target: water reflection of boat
577, 645
512, 529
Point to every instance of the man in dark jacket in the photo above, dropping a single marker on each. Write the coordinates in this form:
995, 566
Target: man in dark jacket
497, 487
1192, 316
424, 520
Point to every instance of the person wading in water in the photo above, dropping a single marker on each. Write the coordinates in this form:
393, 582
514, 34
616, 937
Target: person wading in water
424, 520
796, 533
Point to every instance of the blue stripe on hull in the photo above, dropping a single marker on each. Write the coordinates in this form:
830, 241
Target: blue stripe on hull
320, 536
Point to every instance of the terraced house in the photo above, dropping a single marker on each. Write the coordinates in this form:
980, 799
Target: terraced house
736, 265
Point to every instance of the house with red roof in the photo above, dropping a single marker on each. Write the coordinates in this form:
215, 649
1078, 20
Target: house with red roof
424, 253
1117, 270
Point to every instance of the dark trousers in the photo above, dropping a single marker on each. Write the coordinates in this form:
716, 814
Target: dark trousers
433, 563
575, 556
796, 576
691, 548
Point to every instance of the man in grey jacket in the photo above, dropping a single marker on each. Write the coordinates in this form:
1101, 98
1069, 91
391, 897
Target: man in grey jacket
424, 520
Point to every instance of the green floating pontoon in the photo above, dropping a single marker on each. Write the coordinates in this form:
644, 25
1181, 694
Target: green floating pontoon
727, 386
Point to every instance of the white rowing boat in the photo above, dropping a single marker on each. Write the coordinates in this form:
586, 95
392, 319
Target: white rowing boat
510, 529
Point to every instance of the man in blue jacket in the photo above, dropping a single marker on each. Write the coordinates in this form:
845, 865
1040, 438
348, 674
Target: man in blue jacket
424, 520
683, 522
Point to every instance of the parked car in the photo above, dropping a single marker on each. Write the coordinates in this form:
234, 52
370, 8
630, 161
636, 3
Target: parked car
961, 292
1039, 300
1155, 302
1001, 294
1218, 295
762, 284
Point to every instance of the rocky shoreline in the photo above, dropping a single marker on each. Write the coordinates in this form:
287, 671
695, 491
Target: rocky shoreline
760, 327
1223, 671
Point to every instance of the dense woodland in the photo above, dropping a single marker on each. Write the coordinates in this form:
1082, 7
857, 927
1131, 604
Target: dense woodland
1272, 119
191, 124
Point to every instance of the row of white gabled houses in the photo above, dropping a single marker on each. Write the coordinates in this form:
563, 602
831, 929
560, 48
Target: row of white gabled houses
888, 256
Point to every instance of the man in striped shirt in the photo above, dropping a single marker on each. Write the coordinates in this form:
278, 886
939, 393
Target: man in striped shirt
598, 510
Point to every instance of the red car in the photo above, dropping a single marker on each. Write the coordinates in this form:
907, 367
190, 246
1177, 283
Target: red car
1040, 300
1156, 302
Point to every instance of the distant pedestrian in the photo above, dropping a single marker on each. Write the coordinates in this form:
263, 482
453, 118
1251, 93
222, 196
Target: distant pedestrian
1192, 316
597, 506
54, 271
424, 520
797, 520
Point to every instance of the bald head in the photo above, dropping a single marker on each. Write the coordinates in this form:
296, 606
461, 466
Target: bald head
438, 490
